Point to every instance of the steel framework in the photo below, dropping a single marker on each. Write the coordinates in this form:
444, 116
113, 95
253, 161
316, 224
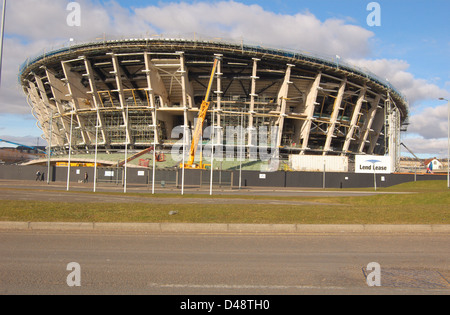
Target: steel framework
318, 106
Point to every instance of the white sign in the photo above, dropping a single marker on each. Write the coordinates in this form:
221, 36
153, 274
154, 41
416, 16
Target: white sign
372, 164
262, 176
141, 173
109, 173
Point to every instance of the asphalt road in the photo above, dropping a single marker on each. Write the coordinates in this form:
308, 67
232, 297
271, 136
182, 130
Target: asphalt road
213, 264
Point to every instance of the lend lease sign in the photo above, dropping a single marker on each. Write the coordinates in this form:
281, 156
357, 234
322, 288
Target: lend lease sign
371, 164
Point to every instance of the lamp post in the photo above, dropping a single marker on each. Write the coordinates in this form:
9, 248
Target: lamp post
211, 177
184, 158
96, 151
374, 172
49, 151
241, 142
70, 151
127, 140
2, 35
154, 151
448, 139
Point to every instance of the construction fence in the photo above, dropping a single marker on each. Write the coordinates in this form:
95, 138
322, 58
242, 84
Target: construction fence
172, 179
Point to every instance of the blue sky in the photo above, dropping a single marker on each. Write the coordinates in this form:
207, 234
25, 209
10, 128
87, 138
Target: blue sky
412, 45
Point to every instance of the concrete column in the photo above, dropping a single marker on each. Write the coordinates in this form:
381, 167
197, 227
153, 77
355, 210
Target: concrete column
354, 121
281, 100
311, 102
253, 95
184, 81
39, 108
368, 124
334, 116
151, 93
76, 89
377, 127
95, 97
59, 92
123, 105
51, 109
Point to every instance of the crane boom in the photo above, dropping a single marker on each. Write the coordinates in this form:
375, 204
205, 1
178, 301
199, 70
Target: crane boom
23, 145
200, 120
410, 151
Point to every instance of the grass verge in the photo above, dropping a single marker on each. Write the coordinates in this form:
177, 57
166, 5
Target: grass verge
428, 204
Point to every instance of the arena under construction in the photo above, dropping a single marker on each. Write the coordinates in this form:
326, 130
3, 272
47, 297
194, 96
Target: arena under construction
139, 92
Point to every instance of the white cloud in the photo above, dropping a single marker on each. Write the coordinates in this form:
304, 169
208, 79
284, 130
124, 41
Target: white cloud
12, 98
431, 123
33, 27
427, 133
254, 24
47, 19
434, 147
414, 89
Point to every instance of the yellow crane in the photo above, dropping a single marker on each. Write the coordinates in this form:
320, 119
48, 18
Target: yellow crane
198, 131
